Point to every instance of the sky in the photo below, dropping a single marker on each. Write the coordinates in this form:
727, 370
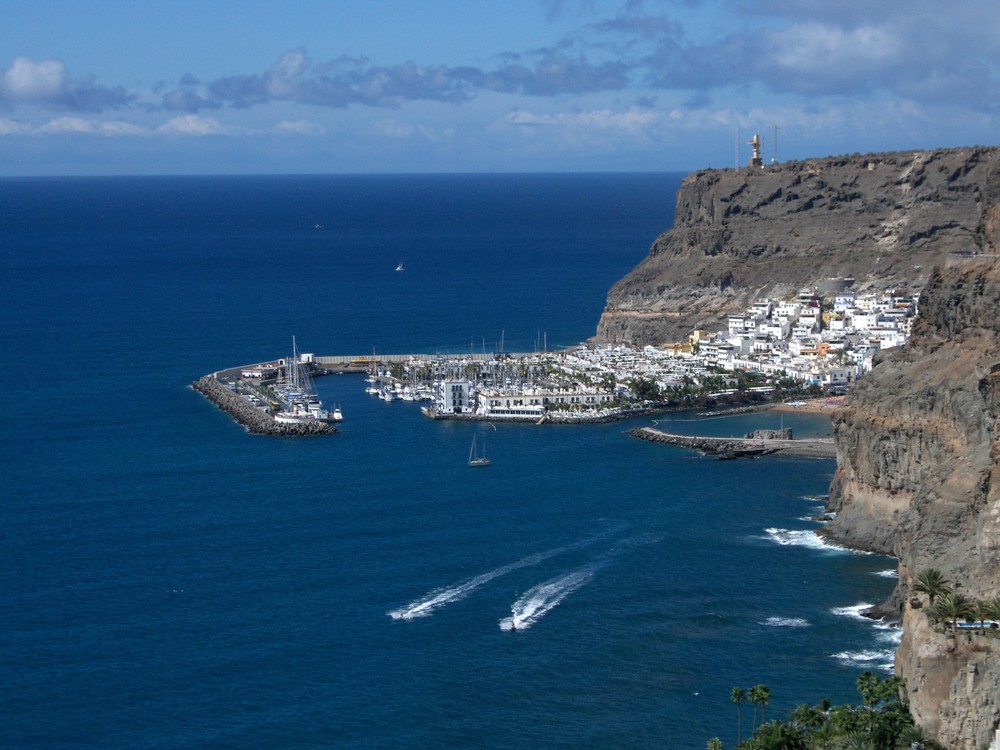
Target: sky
127, 87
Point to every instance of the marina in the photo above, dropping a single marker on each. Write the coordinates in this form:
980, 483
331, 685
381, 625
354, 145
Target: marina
536, 387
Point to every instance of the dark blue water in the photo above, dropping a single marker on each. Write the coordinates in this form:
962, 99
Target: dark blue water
170, 581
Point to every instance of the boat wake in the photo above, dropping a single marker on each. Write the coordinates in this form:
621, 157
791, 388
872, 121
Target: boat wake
438, 598
540, 600
433, 600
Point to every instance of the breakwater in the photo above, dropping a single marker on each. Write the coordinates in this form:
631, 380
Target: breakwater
756, 444
253, 419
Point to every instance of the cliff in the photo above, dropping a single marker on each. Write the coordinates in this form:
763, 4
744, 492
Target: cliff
882, 219
918, 477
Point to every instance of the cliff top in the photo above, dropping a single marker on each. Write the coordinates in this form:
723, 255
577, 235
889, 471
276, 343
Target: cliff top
882, 219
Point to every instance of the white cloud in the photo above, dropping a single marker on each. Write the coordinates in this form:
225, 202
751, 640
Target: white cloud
83, 126
13, 127
48, 83
26, 80
633, 120
300, 127
195, 125
818, 49
399, 130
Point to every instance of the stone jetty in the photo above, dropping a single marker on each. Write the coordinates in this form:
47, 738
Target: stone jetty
253, 419
760, 443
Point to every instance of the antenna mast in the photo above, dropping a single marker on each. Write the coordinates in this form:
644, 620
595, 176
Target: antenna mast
775, 128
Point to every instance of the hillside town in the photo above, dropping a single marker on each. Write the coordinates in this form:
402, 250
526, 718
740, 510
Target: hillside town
810, 345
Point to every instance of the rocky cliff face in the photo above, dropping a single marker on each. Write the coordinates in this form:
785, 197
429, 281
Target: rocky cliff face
882, 219
918, 477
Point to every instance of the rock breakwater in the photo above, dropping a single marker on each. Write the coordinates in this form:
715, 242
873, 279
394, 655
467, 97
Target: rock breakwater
253, 419
748, 447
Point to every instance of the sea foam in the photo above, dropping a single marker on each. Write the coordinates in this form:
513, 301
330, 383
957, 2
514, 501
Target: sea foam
786, 622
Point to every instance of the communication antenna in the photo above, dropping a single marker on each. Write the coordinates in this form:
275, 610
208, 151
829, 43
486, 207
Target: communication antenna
775, 128
737, 148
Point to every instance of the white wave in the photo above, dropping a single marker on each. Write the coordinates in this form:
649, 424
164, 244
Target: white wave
888, 636
801, 538
536, 602
438, 598
869, 659
786, 622
855, 611
889, 632
891, 573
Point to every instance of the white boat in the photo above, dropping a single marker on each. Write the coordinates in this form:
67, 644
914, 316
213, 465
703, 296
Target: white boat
475, 459
297, 395
400, 266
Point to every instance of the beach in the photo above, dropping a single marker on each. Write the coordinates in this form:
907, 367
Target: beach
813, 405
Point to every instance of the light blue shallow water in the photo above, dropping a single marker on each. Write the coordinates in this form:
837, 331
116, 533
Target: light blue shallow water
170, 581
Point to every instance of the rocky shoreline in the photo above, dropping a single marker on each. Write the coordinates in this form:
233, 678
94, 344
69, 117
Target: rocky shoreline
253, 419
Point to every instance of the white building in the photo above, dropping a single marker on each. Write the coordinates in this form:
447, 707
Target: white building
455, 397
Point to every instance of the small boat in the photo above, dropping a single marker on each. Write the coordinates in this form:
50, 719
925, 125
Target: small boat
400, 266
475, 459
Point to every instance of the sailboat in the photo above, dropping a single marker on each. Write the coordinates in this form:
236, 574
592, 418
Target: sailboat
400, 266
297, 395
475, 459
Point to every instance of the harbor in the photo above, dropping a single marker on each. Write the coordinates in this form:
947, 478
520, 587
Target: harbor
276, 396
582, 385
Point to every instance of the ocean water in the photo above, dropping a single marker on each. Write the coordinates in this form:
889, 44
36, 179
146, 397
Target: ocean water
171, 581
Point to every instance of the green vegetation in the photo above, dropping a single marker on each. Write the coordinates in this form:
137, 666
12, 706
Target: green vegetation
949, 607
881, 722
932, 583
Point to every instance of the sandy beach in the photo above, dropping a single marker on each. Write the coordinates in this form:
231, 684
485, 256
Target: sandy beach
813, 405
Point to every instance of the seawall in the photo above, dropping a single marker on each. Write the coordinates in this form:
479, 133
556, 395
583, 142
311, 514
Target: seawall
253, 419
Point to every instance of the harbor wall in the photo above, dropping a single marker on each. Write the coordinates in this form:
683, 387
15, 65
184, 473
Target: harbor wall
253, 419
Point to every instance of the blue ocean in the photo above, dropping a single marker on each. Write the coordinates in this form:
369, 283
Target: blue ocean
170, 581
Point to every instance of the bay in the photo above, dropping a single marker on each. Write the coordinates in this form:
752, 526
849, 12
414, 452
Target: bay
170, 581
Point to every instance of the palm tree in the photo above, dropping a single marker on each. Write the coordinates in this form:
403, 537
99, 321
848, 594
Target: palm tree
779, 735
992, 609
759, 694
808, 718
950, 607
931, 582
981, 612
714, 744
738, 695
